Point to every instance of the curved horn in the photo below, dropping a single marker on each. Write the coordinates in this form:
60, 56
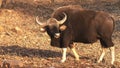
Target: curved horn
64, 19
40, 23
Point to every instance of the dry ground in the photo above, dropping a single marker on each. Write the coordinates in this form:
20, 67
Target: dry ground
20, 38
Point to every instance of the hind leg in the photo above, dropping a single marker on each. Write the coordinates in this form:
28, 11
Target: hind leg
107, 44
102, 55
112, 50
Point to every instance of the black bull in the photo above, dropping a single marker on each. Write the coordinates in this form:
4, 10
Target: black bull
70, 24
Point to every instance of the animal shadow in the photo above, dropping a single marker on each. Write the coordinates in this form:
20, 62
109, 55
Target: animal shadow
29, 52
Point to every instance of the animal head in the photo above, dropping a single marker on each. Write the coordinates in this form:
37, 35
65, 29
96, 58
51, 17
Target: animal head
52, 26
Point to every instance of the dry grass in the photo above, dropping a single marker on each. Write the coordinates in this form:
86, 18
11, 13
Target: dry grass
22, 40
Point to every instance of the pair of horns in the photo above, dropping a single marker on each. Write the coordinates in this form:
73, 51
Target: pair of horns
60, 22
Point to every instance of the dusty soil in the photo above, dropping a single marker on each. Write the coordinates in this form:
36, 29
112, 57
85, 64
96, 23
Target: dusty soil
21, 39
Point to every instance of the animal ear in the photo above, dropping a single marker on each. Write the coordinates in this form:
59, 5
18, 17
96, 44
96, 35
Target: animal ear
43, 29
63, 27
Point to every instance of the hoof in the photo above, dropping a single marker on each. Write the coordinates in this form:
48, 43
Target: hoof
77, 59
62, 61
98, 61
112, 63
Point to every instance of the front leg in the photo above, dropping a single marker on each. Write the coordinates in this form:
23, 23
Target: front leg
64, 55
72, 47
75, 53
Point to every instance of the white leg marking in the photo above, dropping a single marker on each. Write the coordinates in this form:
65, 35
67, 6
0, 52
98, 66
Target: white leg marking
102, 55
112, 50
64, 55
75, 53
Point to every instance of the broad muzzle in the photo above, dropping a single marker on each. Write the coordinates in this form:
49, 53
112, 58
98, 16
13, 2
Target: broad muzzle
57, 35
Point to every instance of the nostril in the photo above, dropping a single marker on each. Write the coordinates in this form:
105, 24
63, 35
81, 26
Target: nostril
57, 35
